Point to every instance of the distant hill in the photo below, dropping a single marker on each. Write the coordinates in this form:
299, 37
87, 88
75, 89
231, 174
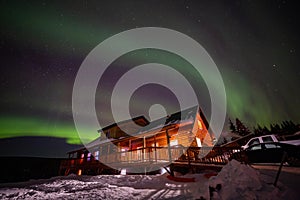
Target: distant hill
49, 147
24, 158
16, 169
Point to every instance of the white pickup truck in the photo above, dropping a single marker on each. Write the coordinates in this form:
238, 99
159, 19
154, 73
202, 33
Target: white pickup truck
267, 139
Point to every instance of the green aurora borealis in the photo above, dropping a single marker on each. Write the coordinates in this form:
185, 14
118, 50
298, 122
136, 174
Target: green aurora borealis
255, 46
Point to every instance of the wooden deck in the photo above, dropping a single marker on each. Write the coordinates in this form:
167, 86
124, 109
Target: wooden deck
193, 158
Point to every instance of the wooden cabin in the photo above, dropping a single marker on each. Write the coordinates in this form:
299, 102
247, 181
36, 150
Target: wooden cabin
123, 145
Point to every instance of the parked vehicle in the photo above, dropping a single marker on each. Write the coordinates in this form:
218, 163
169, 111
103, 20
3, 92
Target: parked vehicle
269, 139
272, 152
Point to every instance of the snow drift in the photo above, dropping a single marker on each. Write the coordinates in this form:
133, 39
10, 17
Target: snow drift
238, 181
235, 181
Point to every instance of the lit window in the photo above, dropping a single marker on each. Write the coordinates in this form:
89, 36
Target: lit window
89, 156
173, 142
153, 145
96, 155
198, 142
123, 172
123, 150
199, 125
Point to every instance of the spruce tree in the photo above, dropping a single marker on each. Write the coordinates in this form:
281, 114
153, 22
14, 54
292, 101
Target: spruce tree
232, 127
241, 129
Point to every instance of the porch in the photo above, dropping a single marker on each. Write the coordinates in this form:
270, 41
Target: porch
150, 158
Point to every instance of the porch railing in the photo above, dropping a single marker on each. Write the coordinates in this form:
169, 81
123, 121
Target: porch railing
216, 155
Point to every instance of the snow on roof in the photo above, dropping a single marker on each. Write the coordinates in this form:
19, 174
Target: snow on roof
98, 141
176, 118
124, 122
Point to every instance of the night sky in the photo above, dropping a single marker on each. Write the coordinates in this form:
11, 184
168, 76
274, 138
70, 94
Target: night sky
254, 44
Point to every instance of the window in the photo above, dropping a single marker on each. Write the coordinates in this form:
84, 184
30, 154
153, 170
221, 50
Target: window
271, 146
200, 125
256, 147
252, 142
123, 152
108, 134
81, 160
123, 171
198, 142
173, 142
96, 155
89, 157
267, 139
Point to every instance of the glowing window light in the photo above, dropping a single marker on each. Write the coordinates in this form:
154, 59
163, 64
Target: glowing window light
163, 170
173, 142
96, 155
123, 152
200, 125
198, 142
89, 156
123, 171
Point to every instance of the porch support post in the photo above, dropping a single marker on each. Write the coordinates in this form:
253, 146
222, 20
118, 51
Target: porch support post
170, 155
144, 148
155, 153
118, 156
130, 151
169, 147
107, 157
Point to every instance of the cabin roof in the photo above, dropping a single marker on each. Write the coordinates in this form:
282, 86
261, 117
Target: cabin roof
124, 122
99, 141
161, 123
76, 150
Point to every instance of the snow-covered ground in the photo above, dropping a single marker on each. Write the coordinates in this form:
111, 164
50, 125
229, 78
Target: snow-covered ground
235, 181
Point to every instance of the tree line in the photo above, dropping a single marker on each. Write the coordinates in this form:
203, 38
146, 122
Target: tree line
239, 129
283, 128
